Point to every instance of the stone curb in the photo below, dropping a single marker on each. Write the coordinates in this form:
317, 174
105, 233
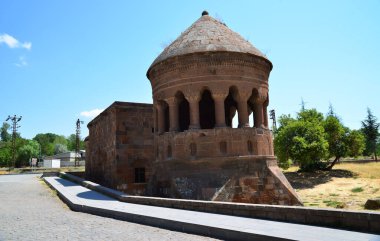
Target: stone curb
185, 227
364, 221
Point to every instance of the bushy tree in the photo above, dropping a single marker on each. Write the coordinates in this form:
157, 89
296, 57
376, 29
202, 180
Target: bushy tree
29, 149
336, 135
5, 136
310, 115
356, 143
48, 142
5, 154
370, 129
59, 148
311, 140
302, 140
71, 143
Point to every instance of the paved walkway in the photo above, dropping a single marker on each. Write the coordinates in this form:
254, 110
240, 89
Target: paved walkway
30, 210
233, 227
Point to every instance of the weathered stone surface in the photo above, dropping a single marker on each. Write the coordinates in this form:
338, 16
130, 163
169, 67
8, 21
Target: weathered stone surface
199, 83
120, 140
372, 204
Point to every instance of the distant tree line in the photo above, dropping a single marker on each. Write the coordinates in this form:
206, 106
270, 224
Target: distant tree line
317, 142
41, 145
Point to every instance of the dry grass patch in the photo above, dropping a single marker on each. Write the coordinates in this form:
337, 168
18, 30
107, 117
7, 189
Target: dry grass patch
364, 170
347, 186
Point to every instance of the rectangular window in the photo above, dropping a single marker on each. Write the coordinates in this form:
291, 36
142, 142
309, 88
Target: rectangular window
140, 175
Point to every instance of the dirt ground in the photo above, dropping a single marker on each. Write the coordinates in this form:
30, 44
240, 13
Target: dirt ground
347, 186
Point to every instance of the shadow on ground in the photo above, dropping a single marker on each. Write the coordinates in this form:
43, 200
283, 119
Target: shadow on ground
66, 183
304, 180
94, 196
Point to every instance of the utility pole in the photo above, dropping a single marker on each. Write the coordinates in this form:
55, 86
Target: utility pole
77, 140
15, 119
272, 116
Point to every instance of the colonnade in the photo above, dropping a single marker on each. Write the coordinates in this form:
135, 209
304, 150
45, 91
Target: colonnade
246, 103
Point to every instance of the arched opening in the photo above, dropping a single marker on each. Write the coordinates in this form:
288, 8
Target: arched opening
251, 116
265, 112
230, 108
206, 111
183, 112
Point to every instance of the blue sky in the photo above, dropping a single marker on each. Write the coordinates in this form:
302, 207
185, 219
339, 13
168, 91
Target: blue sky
62, 59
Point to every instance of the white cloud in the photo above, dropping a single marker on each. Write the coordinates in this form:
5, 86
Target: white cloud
12, 42
91, 113
27, 45
21, 62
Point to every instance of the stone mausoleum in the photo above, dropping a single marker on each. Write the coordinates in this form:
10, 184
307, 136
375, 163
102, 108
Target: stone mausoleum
184, 145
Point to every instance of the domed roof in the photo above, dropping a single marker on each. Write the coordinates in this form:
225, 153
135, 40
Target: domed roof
205, 35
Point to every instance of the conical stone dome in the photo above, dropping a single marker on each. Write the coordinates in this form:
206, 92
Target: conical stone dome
208, 35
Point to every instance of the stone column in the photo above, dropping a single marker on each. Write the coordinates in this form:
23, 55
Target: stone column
193, 100
243, 110
160, 118
265, 116
173, 113
220, 117
259, 110
258, 115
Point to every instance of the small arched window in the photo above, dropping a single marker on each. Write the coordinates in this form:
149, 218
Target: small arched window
250, 147
169, 154
193, 149
223, 147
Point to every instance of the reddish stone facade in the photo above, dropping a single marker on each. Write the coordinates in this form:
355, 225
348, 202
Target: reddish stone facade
119, 149
200, 82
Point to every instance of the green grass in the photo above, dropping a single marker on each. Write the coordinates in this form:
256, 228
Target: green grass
357, 189
333, 194
334, 204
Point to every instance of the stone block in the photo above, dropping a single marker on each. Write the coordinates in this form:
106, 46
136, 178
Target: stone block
372, 204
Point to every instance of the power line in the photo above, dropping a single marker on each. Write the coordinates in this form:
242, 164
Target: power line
15, 119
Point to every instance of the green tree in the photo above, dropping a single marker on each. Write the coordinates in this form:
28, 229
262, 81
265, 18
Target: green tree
302, 141
311, 140
47, 142
27, 150
5, 136
336, 135
71, 143
283, 121
5, 153
60, 140
310, 115
60, 148
356, 143
370, 129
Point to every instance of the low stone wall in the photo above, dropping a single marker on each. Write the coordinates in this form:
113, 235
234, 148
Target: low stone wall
365, 221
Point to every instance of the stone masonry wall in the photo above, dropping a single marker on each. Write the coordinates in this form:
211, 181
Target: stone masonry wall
120, 140
246, 179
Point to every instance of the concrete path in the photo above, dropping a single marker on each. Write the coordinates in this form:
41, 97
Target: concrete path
31, 211
214, 225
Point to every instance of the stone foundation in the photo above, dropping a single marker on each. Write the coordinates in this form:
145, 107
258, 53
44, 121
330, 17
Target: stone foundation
250, 179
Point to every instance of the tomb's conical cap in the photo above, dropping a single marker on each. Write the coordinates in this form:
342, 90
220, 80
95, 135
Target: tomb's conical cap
208, 35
